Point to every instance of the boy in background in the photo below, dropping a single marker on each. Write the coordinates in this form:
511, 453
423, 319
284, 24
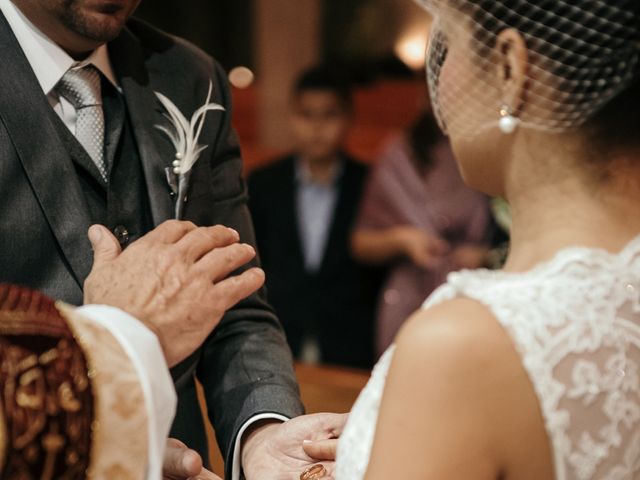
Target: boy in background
304, 206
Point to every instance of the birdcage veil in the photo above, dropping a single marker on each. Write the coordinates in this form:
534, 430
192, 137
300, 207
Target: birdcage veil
581, 54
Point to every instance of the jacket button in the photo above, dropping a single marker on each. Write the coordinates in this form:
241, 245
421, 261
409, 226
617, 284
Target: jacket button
122, 235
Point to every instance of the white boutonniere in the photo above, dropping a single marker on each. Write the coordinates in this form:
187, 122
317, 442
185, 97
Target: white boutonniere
184, 136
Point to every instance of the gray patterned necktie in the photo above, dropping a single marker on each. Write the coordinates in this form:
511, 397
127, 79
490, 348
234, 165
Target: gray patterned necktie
81, 87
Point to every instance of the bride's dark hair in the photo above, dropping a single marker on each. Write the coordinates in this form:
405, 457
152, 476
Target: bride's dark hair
617, 124
585, 43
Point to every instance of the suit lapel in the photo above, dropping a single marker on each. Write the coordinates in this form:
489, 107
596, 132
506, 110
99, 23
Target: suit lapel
340, 219
144, 112
290, 212
28, 118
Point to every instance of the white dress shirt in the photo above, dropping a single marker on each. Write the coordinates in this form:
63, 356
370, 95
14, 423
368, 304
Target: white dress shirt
49, 63
315, 205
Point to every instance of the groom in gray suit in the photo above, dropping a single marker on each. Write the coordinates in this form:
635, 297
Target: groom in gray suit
78, 147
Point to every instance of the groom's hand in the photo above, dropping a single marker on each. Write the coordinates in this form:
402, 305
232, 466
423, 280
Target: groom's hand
175, 280
275, 451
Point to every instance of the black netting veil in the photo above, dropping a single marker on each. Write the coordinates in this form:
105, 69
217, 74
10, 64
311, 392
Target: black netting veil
581, 55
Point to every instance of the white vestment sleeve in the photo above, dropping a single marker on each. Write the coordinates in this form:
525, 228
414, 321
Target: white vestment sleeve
237, 449
143, 348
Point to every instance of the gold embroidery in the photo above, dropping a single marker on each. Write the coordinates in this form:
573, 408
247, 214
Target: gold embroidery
30, 417
47, 426
31, 390
47, 357
67, 399
27, 363
52, 443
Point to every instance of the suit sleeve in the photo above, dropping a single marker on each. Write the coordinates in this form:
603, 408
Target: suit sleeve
246, 366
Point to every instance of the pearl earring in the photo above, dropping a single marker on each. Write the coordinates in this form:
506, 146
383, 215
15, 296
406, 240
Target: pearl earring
508, 122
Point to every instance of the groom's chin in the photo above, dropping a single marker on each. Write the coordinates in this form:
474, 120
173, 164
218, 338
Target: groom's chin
100, 21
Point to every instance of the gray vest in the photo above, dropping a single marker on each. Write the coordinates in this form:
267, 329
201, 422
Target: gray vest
123, 204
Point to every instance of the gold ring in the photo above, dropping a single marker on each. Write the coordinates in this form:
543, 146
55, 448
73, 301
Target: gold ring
314, 472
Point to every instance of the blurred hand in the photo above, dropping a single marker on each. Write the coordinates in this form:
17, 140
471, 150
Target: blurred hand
423, 248
181, 463
277, 451
174, 280
469, 257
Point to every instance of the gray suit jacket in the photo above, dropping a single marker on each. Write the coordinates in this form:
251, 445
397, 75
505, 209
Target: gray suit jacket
245, 365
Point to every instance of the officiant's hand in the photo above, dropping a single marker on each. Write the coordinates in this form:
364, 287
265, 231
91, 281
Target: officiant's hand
275, 451
181, 463
175, 280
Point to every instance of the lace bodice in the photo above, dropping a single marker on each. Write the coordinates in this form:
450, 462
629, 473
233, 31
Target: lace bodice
575, 321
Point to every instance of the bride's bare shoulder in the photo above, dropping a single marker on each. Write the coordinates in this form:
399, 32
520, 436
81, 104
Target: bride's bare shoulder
457, 388
459, 348
459, 325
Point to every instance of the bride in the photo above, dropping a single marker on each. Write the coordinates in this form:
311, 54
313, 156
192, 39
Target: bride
531, 372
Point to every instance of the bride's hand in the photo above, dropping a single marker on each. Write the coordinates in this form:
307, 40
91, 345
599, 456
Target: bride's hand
321, 450
181, 463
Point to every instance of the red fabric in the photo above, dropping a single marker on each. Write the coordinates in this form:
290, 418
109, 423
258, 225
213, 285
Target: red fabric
45, 391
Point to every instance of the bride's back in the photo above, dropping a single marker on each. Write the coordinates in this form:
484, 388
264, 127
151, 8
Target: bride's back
560, 366
575, 323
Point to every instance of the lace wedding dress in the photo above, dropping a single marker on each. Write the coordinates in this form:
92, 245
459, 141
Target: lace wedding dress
575, 322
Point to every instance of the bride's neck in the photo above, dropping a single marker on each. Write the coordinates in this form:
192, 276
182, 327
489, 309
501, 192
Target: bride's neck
565, 207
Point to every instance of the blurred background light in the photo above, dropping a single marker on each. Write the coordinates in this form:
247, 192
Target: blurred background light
410, 48
241, 77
